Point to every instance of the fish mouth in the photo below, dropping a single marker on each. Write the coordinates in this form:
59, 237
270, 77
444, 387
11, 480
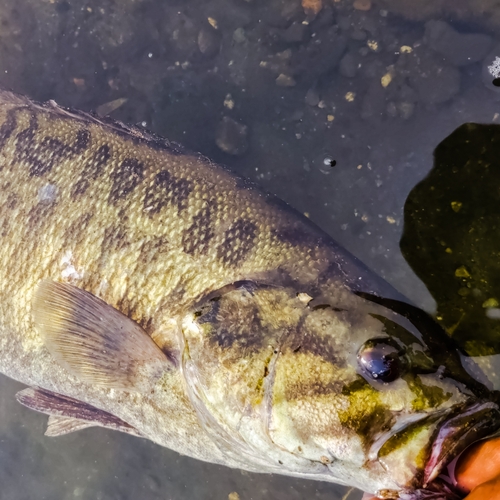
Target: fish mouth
473, 423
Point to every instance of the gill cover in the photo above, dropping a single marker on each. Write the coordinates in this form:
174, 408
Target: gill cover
271, 371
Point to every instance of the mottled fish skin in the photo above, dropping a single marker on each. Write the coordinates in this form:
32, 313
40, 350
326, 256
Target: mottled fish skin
143, 225
155, 231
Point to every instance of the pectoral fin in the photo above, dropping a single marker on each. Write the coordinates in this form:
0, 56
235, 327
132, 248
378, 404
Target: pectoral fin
94, 341
69, 415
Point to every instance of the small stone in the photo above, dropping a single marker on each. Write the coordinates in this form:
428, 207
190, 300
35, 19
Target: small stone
405, 49
348, 66
358, 34
232, 136
209, 42
463, 291
304, 297
79, 83
233, 496
434, 80
462, 272
239, 35
386, 79
459, 49
406, 109
229, 102
330, 118
362, 4
491, 302
349, 97
285, 81
456, 206
312, 97
312, 6
296, 32
493, 313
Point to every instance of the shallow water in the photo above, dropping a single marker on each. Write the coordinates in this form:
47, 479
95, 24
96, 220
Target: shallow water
279, 94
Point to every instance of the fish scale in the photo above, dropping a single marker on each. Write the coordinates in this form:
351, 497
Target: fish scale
146, 289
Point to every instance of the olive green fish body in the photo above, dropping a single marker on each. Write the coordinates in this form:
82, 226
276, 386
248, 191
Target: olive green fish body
143, 225
146, 289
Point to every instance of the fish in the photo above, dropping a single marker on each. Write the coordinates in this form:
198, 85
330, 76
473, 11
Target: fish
145, 289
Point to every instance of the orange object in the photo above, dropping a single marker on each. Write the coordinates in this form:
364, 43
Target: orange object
312, 6
362, 4
486, 491
480, 464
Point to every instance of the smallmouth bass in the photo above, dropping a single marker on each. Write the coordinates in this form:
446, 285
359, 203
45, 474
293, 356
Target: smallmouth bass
146, 289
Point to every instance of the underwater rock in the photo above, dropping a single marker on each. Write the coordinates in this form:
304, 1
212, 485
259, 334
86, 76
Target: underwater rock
434, 81
484, 11
348, 65
209, 41
231, 136
458, 49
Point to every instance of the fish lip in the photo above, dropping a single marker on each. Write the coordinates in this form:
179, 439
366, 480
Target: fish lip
473, 422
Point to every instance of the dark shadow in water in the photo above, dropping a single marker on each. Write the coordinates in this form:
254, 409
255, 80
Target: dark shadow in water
452, 236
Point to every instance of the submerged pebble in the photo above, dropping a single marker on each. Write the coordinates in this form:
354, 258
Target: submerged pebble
434, 81
459, 49
232, 136
312, 97
209, 42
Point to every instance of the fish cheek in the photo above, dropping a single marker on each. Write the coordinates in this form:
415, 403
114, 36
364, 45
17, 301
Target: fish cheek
304, 409
228, 343
231, 343
365, 414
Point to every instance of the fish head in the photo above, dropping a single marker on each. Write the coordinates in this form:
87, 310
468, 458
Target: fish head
339, 387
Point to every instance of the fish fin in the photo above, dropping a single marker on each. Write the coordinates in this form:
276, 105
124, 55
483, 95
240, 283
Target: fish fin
68, 415
58, 425
94, 341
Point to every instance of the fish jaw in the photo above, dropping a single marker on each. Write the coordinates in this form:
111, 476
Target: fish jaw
475, 422
452, 432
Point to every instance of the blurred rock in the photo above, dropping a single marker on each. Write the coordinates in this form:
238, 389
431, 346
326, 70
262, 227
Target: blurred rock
348, 65
433, 80
239, 35
484, 11
459, 49
374, 101
285, 81
296, 32
319, 56
312, 6
232, 136
362, 4
406, 109
312, 97
209, 40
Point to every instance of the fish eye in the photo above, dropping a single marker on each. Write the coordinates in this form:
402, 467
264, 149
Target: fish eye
381, 359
